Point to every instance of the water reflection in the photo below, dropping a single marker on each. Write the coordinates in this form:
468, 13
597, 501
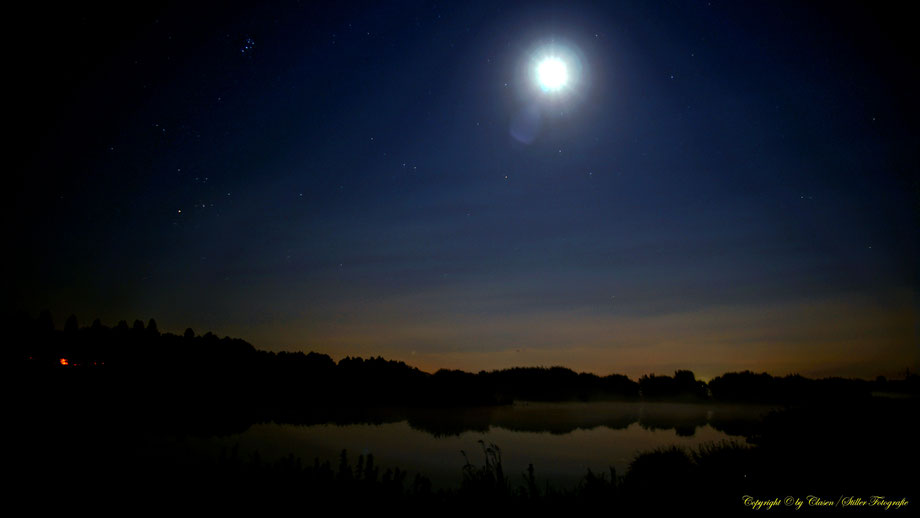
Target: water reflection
562, 440
554, 418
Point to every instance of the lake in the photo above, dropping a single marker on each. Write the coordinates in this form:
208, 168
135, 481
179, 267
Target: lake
561, 440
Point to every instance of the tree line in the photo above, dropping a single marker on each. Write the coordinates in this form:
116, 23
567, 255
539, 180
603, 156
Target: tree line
151, 367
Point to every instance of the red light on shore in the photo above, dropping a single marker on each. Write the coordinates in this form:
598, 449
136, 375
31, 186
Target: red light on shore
64, 361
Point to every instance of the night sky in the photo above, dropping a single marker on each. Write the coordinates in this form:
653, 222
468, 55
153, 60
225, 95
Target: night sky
719, 186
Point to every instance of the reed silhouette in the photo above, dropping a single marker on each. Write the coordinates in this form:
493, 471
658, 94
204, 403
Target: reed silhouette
81, 388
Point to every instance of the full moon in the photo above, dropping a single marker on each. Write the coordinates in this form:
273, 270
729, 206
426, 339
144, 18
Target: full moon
552, 74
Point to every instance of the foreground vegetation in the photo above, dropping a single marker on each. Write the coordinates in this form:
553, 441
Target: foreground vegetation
77, 423
714, 477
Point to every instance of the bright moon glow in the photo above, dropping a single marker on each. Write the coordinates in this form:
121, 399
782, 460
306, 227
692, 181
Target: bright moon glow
552, 74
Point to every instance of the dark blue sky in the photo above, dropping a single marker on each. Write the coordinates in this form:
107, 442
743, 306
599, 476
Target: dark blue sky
724, 185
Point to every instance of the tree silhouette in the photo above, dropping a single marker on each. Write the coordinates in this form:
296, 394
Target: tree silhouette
71, 325
152, 328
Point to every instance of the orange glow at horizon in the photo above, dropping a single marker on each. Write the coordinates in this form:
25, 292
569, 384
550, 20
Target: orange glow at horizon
851, 336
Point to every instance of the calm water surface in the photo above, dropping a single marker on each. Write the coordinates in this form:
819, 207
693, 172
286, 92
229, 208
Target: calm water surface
562, 440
